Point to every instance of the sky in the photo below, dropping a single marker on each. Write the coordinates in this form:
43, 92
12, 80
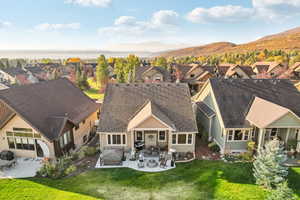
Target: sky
143, 25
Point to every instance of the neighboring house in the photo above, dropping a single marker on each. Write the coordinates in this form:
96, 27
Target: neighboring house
37, 72
197, 76
46, 119
236, 111
159, 114
238, 71
268, 69
14, 75
151, 74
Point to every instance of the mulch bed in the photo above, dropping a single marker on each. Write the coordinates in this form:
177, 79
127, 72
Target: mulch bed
202, 152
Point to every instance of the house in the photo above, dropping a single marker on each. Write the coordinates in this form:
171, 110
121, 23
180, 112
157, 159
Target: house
268, 69
149, 74
197, 76
37, 72
14, 75
235, 111
240, 71
46, 119
158, 114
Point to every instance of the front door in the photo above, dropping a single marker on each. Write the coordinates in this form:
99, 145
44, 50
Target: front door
150, 138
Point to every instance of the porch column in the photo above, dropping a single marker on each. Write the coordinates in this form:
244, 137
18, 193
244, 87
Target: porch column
287, 135
209, 130
170, 139
261, 138
132, 140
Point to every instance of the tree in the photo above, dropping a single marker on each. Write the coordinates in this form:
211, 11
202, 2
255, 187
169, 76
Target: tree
132, 63
102, 71
120, 65
161, 62
268, 165
2, 66
282, 192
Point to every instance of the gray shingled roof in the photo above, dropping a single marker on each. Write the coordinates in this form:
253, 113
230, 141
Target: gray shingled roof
122, 101
45, 105
234, 97
205, 109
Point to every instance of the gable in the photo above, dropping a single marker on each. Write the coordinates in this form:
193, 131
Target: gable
288, 120
151, 122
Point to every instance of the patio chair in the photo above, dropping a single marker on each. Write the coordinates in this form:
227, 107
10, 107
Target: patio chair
163, 163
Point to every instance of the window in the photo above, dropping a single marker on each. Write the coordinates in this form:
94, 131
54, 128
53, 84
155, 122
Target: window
273, 133
65, 139
22, 143
116, 139
162, 136
190, 139
246, 135
139, 135
124, 139
239, 135
174, 139
181, 139
22, 129
230, 135
11, 143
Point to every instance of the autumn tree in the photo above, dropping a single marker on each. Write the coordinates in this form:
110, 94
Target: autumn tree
102, 72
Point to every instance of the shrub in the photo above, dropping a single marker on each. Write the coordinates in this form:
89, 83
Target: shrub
71, 169
231, 157
54, 169
246, 156
282, 191
74, 156
90, 151
214, 147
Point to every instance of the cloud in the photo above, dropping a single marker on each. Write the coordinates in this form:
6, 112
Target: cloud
98, 3
4, 24
129, 27
228, 13
57, 27
276, 9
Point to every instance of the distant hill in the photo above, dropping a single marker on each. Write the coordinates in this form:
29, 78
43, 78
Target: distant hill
288, 40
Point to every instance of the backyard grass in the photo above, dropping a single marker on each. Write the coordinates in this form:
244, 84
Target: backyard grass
93, 92
197, 180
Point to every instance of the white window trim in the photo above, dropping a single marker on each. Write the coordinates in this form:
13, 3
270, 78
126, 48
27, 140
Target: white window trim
243, 136
159, 140
121, 134
186, 142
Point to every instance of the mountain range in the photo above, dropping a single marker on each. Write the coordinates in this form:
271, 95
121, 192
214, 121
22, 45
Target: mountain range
288, 40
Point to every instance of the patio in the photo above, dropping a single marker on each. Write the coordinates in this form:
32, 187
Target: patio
24, 168
141, 161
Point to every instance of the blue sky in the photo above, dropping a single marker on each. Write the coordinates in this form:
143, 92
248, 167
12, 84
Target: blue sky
140, 24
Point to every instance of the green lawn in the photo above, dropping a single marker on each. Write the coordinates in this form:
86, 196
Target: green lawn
93, 92
196, 180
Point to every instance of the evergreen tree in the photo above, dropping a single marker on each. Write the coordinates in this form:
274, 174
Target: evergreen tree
282, 192
268, 168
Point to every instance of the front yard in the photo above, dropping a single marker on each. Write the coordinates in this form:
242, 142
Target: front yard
195, 180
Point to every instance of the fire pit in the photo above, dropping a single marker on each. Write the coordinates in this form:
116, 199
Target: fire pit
152, 163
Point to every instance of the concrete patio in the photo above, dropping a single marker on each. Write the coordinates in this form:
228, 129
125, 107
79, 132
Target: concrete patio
134, 165
24, 168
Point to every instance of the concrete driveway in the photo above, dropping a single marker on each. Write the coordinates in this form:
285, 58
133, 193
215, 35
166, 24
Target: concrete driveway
25, 168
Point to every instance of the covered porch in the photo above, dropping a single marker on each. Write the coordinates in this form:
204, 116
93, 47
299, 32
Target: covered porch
290, 137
